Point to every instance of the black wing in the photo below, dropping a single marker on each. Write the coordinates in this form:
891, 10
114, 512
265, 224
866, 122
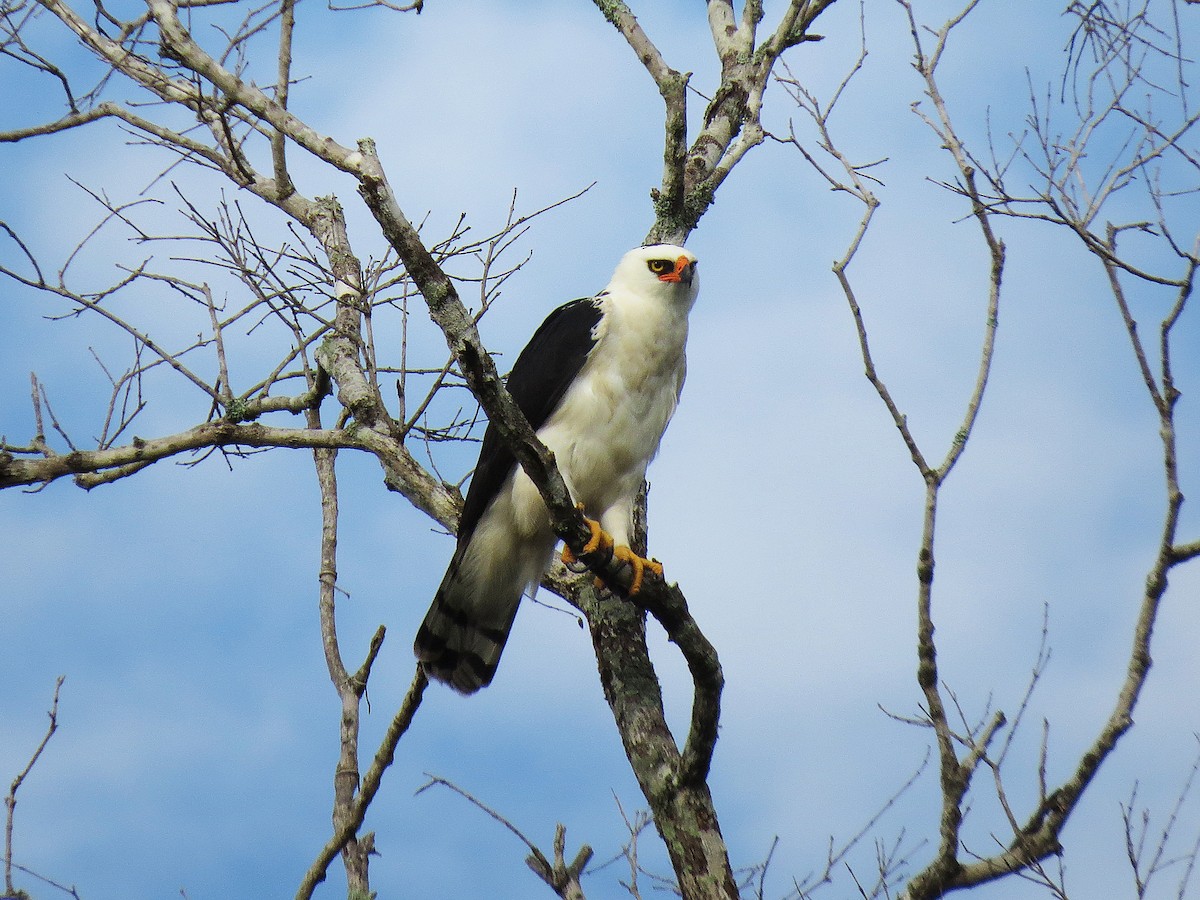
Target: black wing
539, 378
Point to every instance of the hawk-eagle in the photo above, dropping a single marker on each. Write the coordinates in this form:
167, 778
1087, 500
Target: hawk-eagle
598, 381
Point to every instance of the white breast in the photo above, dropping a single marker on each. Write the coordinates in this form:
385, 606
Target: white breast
609, 424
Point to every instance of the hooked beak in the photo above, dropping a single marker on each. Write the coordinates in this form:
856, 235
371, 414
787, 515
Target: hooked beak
684, 268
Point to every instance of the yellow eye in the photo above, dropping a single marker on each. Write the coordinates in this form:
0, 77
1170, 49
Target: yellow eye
660, 266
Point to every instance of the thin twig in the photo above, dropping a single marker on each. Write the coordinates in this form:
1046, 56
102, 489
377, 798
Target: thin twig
10, 801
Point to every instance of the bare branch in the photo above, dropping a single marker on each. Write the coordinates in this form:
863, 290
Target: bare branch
369, 787
1145, 861
561, 876
1038, 837
731, 125
10, 801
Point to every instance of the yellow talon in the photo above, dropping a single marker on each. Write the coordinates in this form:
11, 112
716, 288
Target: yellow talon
602, 540
639, 565
599, 539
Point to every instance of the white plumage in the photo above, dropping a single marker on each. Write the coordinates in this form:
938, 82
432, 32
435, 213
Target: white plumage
599, 382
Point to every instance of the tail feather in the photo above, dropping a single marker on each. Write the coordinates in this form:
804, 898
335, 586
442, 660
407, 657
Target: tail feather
467, 626
455, 644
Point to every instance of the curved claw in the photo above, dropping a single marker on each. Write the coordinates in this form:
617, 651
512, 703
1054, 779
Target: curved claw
639, 565
602, 540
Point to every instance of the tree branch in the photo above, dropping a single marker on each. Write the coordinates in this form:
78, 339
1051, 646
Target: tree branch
10, 801
563, 878
371, 780
691, 176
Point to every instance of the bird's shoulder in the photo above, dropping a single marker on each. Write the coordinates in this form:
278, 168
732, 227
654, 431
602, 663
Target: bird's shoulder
560, 345
574, 320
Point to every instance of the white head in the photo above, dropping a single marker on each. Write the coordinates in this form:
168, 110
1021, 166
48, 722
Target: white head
662, 270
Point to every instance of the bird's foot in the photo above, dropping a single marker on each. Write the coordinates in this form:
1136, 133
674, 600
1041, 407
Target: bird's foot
639, 564
602, 540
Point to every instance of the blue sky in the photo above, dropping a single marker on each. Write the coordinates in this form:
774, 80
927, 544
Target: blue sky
197, 726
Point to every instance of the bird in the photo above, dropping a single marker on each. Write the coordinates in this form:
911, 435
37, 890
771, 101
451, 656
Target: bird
598, 381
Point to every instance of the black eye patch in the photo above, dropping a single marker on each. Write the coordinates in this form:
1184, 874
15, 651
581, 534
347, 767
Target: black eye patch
660, 266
